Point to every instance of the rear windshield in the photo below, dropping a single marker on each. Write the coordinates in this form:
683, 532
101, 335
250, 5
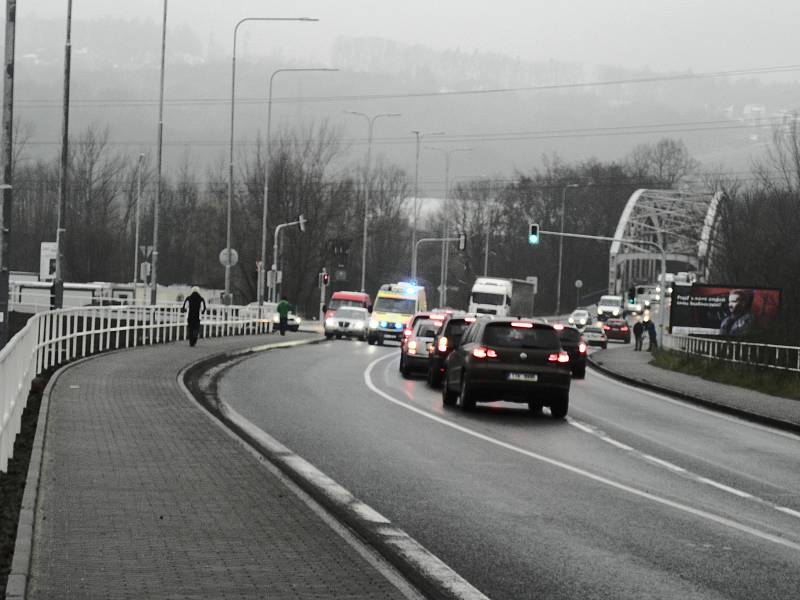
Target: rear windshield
455, 329
339, 303
350, 313
504, 335
569, 335
395, 305
427, 329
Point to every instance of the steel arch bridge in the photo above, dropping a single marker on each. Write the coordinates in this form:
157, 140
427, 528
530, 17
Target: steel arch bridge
683, 223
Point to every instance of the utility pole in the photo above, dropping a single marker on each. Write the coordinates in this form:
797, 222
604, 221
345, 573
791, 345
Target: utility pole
63, 180
159, 144
7, 155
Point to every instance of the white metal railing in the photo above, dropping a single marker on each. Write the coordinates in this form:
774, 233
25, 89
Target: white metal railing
52, 338
786, 358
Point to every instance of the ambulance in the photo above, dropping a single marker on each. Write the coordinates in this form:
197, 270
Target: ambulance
395, 304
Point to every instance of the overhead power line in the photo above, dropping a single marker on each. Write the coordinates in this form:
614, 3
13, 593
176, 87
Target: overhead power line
142, 102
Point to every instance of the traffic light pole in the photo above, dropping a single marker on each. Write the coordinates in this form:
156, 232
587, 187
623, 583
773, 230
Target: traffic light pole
625, 241
461, 239
301, 221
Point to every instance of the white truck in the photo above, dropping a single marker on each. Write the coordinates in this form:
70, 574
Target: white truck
502, 297
609, 306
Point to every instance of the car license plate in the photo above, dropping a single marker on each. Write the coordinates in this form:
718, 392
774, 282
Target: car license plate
523, 377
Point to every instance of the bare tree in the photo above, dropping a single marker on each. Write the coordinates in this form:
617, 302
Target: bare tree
664, 164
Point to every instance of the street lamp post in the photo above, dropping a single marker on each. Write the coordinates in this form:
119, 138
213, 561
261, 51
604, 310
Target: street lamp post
301, 221
419, 135
445, 245
561, 244
136, 230
265, 200
230, 157
159, 146
58, 278
370, 125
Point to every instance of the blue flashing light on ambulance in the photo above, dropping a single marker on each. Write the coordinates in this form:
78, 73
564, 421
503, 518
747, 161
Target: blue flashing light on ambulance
395, 304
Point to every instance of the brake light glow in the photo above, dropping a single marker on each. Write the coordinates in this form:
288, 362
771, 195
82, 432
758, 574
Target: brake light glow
561, 357
624, 328
437, 317
412, 347
558, 326
522, 325
469, 319
607, 327
582, 347
482, 352
442, 346
406, 332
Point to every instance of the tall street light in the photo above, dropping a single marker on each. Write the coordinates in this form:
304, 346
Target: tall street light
370, 123
419, 135
136, 228
561, 244
265, 205
159, 145
230, 161
445, 246
58, 278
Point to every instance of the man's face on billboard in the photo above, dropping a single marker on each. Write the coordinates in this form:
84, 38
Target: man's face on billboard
736, 303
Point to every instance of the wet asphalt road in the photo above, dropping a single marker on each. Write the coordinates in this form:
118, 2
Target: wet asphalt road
634, 496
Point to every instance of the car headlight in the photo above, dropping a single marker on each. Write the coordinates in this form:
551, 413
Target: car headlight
571, 320
359, 324
373, 324
276, 318
615, 312
298, 319
330, 322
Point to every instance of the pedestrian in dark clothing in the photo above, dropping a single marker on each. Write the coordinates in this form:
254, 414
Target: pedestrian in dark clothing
651, 332
283, 309
197, 306
638, 332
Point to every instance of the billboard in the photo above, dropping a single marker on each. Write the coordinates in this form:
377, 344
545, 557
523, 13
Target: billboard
724, 310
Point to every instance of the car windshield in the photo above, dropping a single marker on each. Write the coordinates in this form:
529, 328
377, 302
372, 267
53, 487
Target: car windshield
505, 335
339, 303
592, 330
404, 306
569, 335
350, 313
487, 298
612, 300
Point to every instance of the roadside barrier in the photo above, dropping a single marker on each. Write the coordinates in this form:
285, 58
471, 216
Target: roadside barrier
53, 338
785, 358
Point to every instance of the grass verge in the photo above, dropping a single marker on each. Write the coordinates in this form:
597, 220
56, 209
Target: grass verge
12, 485
768, 381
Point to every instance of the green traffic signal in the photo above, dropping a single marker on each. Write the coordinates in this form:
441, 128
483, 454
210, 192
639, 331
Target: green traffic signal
533, 233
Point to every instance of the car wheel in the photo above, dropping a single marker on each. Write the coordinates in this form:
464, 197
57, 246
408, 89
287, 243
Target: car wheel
579, 373
338, 336
371, 341
560, 406
449, 397
466, 397
328, 336
604, 346
404, 370
627, 340
380, 340
434, 378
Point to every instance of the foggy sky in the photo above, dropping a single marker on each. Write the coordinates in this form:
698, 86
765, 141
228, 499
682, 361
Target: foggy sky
707, 35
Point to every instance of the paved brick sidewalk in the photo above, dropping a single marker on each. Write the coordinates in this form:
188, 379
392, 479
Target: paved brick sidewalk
142, 495
621, 360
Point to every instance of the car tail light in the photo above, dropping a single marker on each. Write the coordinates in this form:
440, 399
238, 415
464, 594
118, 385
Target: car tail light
412, 347
482, 352
437, 317
561, 357
522, 324
558, 327
607, 327
442, 346
406, 332
469, 319
624, 328
582, 347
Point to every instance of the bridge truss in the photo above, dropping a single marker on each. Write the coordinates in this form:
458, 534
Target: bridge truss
683, 223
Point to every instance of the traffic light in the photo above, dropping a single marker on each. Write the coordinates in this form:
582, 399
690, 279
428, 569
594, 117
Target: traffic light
533, 233
326, 277
462, 241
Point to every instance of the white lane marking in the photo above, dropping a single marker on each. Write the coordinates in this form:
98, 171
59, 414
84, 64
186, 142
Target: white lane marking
664, 463
614, 442
700, 409
577, 470
788, 511
724, 487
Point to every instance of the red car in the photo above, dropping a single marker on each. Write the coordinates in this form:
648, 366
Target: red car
617, 329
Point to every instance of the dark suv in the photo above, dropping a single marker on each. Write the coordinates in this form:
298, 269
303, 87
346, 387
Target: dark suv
509, 359
447, 338
572, 341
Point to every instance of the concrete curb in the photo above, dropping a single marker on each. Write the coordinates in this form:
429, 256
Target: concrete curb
704, 402
422, 568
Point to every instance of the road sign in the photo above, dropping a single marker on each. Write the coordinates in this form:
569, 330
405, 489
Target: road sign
47, 260
301, 221
146, 251
535, 281
462, 241
227, 261
144, 271
578, 283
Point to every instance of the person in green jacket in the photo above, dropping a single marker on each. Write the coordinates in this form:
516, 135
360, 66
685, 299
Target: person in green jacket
283, 309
